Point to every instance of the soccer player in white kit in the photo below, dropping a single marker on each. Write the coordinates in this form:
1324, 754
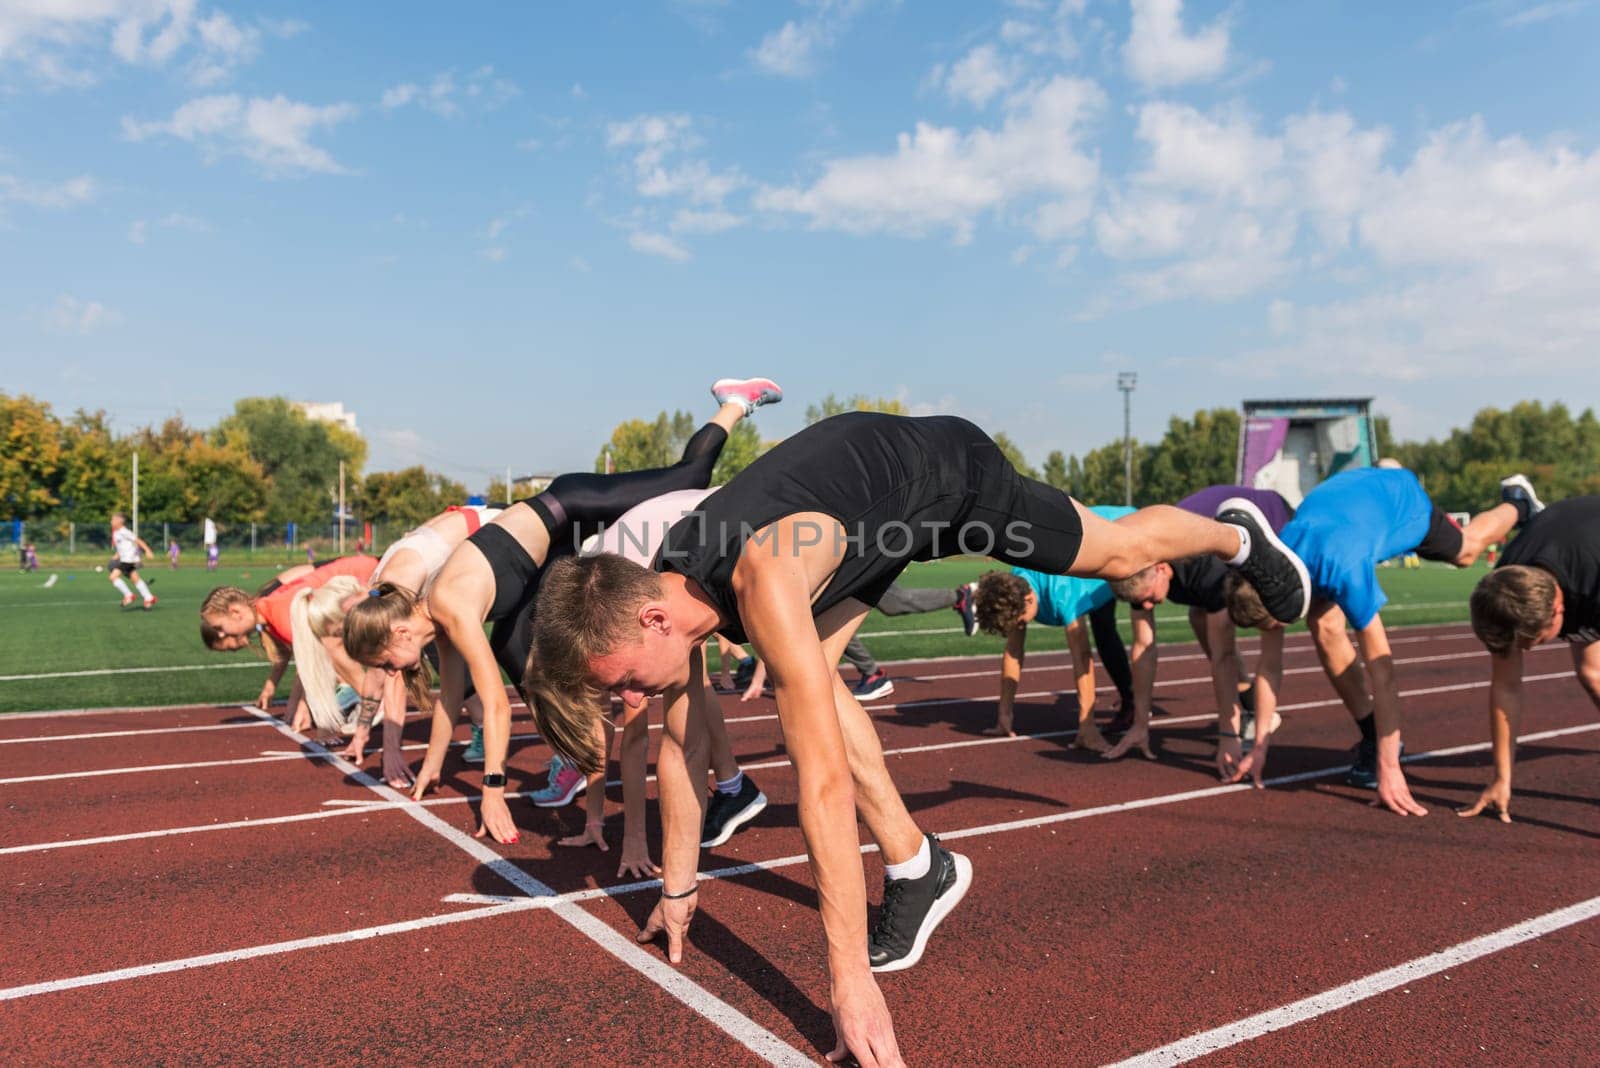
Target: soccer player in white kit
126, 547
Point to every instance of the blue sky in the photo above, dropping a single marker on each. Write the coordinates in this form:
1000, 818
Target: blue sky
494, 231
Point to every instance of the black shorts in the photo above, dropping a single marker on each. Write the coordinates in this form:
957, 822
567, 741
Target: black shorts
1444, 539
516, 576
123, 566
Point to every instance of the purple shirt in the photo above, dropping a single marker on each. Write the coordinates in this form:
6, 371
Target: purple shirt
1271, 503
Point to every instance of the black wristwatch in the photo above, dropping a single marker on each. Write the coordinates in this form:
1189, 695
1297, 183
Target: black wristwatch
494, 778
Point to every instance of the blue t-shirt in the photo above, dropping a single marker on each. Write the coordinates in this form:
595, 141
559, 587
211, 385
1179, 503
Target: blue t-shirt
1063, 598
1347, 524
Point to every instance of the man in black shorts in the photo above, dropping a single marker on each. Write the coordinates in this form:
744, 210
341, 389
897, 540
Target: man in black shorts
1342, 530
791, 555
1546, 587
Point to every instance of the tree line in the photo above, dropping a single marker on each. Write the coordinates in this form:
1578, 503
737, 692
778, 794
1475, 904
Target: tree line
267, 462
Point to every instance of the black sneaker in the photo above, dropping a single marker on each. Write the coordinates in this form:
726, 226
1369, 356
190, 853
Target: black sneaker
912, 908
743, 672
726, 813
1517, 490
966, 607
873, 686
1278, 575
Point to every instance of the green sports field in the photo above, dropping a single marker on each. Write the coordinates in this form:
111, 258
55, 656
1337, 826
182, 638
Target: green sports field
93, 653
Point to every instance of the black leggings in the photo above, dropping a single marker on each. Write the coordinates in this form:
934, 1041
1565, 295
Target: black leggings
1108, 642
577, 505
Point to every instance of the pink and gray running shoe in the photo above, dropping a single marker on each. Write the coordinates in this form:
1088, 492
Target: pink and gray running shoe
751, 392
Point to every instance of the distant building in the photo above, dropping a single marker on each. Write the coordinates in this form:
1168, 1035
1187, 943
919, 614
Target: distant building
330, 412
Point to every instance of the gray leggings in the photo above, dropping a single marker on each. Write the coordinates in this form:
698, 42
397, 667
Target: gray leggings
898, 600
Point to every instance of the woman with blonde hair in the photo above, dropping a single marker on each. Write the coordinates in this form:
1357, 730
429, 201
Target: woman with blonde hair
229, 616
494, 578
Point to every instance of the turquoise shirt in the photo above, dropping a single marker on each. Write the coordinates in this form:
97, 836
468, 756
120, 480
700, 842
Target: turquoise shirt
1063, 598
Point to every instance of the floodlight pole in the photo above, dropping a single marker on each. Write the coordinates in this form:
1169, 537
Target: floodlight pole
136, 494
1127, 381
341, 507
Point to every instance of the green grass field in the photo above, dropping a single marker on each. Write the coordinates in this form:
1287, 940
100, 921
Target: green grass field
76, 625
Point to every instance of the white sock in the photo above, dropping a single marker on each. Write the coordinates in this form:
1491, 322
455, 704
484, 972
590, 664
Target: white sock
731, 786
915, 868
1244, 547
122, 586
144, 591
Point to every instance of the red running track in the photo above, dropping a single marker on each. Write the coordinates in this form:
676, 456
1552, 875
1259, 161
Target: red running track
226, 911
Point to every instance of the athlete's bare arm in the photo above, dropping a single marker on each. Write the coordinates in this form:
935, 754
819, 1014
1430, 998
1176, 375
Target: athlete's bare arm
1392, 788
1144, 660
1011, 660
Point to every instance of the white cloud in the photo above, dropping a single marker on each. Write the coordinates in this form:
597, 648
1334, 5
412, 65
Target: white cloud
494, 254
705, 222
791, 50
1519, 13
444, 96
943, 179
70, 315
657, 245
139, 229
67, 194
981, 75
272, 133
1159, 53
658, 143
67, 42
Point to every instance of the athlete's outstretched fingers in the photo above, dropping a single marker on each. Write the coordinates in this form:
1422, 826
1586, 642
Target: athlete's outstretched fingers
1496, 797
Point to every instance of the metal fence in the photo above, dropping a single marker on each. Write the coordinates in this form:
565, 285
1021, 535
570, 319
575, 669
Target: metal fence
235, 541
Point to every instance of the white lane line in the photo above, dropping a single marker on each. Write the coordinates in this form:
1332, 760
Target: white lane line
126, 671
252, 952
734, 871
480, 899
760, 1041
1263, 1023
155, 767
131, 733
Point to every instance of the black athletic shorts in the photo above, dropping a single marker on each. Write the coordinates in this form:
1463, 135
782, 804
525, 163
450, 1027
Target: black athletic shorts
123, 566
1444, 539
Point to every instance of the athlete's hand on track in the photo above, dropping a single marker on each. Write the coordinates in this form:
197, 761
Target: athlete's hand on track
861, 1022
358, 744
1254, 765
670, 916
593, 834
1394, 794
1089, 737
264, 698
1135, 736
636, 860
1229, 753
1496, 796
494, 818
427, 779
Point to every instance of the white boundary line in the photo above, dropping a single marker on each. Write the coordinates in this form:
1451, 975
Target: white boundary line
130, 734
578, 896
1252, 1027
126, 671
760, 1041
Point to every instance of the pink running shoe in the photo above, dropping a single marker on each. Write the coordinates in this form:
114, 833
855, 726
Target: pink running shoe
566, 782
751, 392
151, 603
126, 601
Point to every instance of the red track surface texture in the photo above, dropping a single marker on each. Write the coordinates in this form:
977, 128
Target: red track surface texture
260, 902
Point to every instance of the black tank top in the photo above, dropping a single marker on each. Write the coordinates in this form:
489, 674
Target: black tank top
899, 485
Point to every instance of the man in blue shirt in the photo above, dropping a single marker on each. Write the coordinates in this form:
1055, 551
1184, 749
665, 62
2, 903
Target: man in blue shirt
1342, 530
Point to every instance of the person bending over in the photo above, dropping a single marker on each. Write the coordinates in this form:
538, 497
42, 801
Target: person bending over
1007, 602
1545, 588
1342, 530
1199, 584
790, 555
494, 577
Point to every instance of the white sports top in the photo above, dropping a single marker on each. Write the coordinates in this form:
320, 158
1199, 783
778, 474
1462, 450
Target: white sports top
638, 534
126, 544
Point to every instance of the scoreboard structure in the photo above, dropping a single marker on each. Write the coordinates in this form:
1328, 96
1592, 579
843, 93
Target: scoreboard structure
1291, 445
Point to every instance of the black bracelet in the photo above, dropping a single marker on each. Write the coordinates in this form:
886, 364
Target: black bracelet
695, 889
1227, 734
